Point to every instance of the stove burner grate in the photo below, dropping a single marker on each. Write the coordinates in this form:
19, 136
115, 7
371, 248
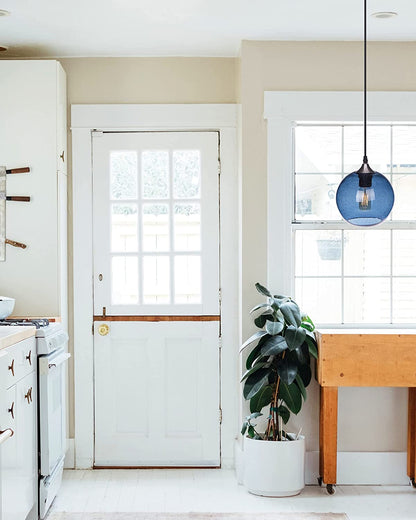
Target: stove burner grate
38, 323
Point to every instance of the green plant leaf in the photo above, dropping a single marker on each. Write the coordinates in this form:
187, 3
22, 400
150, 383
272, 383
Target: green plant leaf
254, 415
273, 345
253, 369
261, 399
307, 323
284, 413
259, 306
278, 300
252, 356
302, 354
261, 320
301, 386
313, 350
287, 371
295, 336
291, 312
274, 327
257, 335
291, 395
305, 373
263, 290
251, 432
255, 382
244, 427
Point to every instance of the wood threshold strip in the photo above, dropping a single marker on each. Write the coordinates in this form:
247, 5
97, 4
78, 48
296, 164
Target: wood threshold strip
156, 467
213, 317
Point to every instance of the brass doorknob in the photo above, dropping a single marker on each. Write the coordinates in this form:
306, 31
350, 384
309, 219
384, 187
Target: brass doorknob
103, 329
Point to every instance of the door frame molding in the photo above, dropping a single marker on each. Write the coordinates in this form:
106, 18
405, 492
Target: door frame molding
85, 119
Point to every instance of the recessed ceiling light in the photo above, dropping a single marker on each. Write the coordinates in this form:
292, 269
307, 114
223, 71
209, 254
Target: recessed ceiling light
3, 12
382, 15
3, 48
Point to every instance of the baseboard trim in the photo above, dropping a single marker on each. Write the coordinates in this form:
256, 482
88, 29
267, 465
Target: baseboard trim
69, 462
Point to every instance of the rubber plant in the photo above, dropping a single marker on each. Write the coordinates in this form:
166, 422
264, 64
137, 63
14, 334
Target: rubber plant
278, 365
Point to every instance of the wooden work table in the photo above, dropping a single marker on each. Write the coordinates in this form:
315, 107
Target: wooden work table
364, 357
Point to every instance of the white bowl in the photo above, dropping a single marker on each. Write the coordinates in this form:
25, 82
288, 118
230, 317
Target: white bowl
6, 307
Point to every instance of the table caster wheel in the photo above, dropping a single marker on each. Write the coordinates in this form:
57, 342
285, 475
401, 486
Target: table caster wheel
412, 482
330, 489
320, 481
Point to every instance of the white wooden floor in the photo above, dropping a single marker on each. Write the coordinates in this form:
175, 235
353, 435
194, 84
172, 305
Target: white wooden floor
217, 490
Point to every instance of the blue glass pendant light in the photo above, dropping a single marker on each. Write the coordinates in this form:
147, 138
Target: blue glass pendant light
365, 197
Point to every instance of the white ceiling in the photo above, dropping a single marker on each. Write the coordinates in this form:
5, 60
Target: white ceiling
62, 28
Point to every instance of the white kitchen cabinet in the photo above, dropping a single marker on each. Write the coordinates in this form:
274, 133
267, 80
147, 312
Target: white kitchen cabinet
18, 454
33, 132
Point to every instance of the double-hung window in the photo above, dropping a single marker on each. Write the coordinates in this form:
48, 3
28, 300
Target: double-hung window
338, 273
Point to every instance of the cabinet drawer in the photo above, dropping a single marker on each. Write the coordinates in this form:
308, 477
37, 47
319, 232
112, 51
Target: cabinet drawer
17, 361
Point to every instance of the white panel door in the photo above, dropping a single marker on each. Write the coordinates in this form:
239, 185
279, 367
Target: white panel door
156, 299
157, 395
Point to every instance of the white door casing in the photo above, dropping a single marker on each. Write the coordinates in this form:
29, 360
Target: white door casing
87, 118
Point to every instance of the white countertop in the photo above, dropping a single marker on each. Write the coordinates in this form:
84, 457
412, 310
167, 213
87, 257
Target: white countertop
11, 335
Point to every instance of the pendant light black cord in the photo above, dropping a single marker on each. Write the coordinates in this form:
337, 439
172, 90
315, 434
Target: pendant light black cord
365, 160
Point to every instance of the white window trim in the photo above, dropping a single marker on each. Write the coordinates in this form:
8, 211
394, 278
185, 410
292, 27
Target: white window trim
87, 118
282, 110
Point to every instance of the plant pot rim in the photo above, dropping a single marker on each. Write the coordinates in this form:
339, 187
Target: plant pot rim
300, 438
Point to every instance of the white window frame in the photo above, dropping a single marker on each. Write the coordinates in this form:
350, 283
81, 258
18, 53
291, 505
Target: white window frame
85, 119
283, 110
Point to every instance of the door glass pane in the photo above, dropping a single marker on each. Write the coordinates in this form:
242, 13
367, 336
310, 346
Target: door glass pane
124, 280
367, 253
155, 174
188, 279
404, 149
319, 298
123, 175
155, 227
186, 174
123, 228
318, 149
404, 255
367, 300
318, 253
315, 197
404, 290
187, 231
156, 279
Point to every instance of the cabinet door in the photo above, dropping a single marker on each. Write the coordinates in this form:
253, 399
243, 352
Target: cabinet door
26, 441
10, 472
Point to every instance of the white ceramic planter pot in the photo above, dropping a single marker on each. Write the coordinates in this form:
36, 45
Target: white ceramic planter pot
274, 469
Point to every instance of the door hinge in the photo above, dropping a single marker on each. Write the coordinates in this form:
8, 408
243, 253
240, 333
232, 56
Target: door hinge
220, 295
92, 328
97, 133
220, 415
220, 341
219, 166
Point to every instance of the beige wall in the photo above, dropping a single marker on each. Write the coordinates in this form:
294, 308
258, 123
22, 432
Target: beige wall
141, 80
370, 419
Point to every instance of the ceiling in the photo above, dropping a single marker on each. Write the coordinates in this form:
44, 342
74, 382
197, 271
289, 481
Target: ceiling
62, 28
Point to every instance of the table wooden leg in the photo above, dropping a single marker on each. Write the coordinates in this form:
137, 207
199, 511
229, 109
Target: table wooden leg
328, 427
411, 435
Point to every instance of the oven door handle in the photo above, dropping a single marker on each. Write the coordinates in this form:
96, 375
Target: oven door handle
46, 364
6, 434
